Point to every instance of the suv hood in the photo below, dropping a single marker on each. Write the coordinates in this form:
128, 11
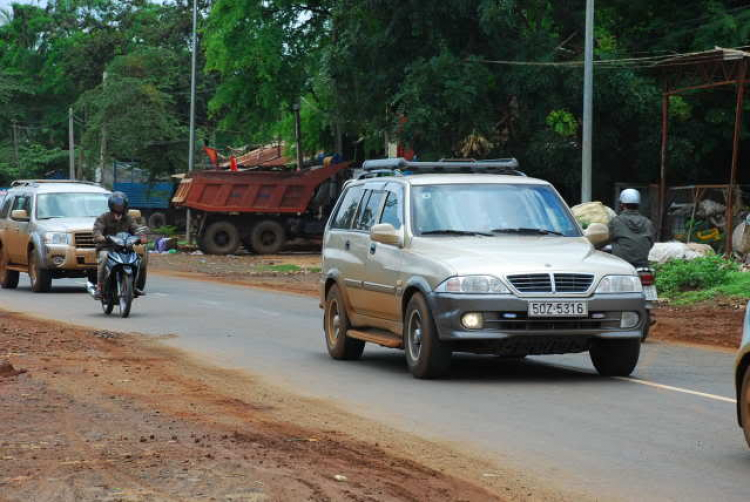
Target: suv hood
67, 224
504, 255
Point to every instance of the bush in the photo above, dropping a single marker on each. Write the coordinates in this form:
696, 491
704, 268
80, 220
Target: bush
678, 276
166, 231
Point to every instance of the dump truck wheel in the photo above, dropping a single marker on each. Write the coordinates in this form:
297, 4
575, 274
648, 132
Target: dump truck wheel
267, 237
221, 237
157, 220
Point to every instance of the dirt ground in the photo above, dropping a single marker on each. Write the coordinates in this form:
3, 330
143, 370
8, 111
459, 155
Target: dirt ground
717, 324
270, 271
92, 415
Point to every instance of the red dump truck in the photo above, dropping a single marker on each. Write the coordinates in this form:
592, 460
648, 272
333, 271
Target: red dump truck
260, 208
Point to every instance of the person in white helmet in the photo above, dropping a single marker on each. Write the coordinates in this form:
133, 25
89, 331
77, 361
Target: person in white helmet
631, 233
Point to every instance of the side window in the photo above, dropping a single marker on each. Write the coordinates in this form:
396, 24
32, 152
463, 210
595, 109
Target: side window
393, 210
348, 207
369, 213
5, 209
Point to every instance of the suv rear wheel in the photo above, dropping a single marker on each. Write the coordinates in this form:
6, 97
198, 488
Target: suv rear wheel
41, 280
336, 325
615, 357
426, 355
744, 405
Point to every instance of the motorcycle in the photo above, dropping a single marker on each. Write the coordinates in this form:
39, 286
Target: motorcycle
648, 281
122, 270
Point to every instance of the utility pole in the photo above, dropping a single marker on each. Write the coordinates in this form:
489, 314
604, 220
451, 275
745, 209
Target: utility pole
588, 103
15, 147
103, 142
193, 75
71, 145
298, 132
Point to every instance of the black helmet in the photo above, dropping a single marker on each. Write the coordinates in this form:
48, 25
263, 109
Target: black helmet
118, 203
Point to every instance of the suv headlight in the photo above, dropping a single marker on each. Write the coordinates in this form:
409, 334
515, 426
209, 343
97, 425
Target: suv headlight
473, 284
620, 284
57, 238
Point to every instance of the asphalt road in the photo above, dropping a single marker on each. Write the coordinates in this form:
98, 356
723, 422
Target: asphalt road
669, 433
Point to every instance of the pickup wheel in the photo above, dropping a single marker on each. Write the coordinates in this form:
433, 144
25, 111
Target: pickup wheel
221, 237
41, 280
267, 237
744, 405
8, 278
336, 324
426, 355
615, 357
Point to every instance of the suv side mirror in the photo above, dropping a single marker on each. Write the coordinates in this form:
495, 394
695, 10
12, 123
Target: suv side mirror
385, 233
20, 214
597, 234
135, 214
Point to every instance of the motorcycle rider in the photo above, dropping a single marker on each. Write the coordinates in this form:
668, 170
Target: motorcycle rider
112, 222
632, 234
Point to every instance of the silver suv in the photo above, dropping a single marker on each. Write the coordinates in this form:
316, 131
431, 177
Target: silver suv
436, 258
46, 230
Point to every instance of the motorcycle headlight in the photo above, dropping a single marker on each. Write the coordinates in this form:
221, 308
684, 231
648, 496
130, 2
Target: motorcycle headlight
620, 284
473, 284
57, 238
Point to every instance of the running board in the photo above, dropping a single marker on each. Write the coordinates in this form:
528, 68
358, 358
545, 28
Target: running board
17, 268
384, 338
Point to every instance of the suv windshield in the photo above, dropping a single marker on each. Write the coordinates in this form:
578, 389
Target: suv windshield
490, 209
70, 205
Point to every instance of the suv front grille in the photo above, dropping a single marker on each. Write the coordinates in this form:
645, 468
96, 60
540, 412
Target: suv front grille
544, 283
573, 283
532, 283
84, 240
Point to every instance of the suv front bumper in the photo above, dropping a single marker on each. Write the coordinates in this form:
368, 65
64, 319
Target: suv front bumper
505, 317
67, 257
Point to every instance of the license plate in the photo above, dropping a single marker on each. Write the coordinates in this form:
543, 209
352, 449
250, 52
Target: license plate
558, 309
650, 293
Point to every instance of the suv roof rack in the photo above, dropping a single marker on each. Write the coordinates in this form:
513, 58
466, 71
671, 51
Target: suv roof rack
399, 165
26, 183
379, 173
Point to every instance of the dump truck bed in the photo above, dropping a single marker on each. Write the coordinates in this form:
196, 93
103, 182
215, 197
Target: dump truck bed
253, 191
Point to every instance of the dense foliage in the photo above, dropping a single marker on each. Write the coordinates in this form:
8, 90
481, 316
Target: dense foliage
363, 71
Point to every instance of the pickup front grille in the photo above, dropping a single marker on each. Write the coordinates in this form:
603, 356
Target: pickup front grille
551, 283
84, 240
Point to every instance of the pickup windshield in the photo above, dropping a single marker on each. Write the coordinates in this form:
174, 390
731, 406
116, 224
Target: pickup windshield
70, 205
490, 209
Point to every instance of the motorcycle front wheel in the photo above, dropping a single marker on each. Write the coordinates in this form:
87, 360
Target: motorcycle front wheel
125, 284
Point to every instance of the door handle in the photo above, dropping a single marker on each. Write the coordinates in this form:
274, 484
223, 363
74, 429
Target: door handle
347, 245
373, 248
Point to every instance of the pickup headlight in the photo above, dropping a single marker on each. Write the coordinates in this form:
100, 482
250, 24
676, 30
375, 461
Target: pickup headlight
473, 284
57, 238
620, 284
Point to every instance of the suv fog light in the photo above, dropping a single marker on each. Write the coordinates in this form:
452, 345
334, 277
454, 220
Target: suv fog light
58, 260
472, 320
629, 319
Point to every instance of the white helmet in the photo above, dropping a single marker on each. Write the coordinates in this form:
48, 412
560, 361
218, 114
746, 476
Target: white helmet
630, 196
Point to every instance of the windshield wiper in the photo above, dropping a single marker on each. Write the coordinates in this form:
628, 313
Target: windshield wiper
535, 231
448, 231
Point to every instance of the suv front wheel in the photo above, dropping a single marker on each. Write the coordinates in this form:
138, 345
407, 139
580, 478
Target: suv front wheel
41, 280
8, 278
615, 357
426, 355
336, 324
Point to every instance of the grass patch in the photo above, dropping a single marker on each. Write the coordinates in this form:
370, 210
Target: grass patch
284, 268
703, 279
